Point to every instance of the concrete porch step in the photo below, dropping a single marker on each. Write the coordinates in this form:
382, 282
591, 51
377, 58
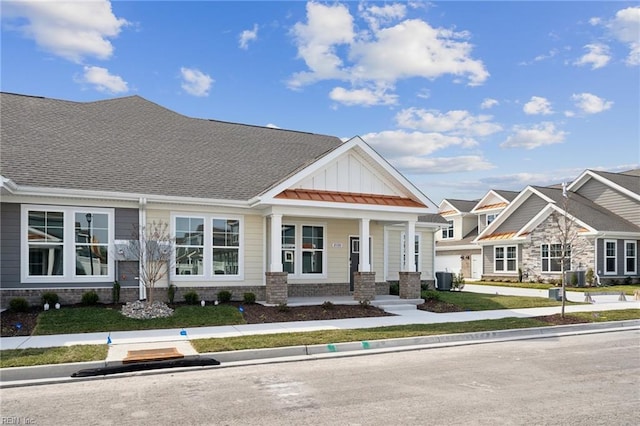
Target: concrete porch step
396, 302
398, 307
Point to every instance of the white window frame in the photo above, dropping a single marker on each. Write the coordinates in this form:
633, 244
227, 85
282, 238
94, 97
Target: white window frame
68, 245
634, 257
209, 273
493, 215
297, 264
448, 233
606, 256
176, 245
418, 250
505, 259
567, 258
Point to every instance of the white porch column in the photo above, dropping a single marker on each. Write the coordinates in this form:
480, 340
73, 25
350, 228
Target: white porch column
365, 262
276, 243
410, 247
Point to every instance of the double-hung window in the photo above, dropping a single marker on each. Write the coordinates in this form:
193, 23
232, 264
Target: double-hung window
66, 244
551, 256
303, 249
505, 259
416, 249
630, 257
610, 257
447, 232
208, 247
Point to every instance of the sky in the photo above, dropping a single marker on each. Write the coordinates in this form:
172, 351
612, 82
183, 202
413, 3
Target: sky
460, 97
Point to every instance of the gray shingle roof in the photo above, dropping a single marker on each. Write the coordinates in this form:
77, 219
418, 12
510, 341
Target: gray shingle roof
507, 195
464, 206
629, 180
136, 146
589, 212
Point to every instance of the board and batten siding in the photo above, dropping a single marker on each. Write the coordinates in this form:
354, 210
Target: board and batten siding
612, 200
349, 173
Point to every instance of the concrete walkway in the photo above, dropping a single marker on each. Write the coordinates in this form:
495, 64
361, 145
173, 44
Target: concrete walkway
402, 316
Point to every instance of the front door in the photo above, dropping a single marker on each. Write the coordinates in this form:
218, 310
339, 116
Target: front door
354, 258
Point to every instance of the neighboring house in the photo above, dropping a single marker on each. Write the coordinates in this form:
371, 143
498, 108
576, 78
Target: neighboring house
253, 209
456, 250
604, 209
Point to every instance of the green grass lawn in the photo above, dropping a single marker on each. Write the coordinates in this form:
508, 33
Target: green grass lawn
94, 319
487, 302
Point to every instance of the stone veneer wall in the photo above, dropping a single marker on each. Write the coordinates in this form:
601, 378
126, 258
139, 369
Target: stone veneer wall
582, 252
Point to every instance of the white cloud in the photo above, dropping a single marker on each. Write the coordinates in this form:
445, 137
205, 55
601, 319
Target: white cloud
534, 137
366, 97
72, 29
626, 28
488, 103
399, 143
383, 53
195, 82
457, 122
103, 81
248, 35
413, 48
591, 104
463, 163
326, 28
272, 126
597, 56
538, 106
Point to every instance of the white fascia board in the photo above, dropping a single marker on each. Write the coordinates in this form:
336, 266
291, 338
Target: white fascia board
268, 197
486, 197
122, 196
588, 174
7, 184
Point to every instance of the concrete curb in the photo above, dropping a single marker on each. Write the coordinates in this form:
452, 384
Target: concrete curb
61, 373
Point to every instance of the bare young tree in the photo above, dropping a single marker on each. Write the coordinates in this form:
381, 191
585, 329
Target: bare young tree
153, 249
567, 228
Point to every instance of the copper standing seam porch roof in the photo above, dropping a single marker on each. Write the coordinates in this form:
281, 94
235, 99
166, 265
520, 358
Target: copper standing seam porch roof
348, 197
491, 206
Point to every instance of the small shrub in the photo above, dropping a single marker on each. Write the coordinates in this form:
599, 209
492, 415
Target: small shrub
589, 276
627, 281
50, 297
283, 307
90, 298
171, 293
249, 298
394, 289
430, 295
614, 281
328, 305
115, 292
574, 280
552, 281
520, 275
224, 296
191, 298
19, 304
458, 281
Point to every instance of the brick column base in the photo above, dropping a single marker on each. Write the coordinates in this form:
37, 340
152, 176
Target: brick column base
409, 285
276, 291
364, 286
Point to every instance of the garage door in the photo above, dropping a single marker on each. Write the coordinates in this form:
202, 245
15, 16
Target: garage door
448, 263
